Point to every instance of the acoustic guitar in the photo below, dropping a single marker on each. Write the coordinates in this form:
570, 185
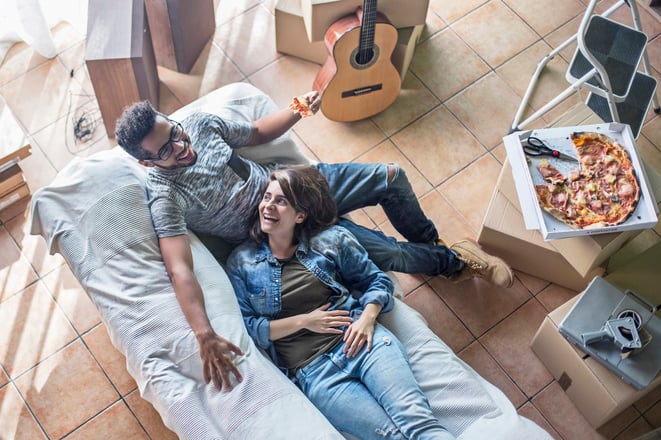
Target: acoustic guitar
358, 79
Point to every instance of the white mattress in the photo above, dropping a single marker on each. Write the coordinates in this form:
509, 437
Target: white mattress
95, 214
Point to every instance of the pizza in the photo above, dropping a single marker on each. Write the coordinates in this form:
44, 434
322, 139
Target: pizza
298, 105
602, 191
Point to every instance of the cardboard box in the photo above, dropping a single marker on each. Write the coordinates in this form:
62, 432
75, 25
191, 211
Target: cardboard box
526, 176
641, 274
407, 39
583, 253
570, 262
595, 390
121, 64
598, 325
291, 38
319, 15
504, 234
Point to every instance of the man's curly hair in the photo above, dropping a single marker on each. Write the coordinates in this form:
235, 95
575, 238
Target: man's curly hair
133, 126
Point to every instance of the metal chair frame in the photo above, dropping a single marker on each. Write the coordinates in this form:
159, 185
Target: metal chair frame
597, 70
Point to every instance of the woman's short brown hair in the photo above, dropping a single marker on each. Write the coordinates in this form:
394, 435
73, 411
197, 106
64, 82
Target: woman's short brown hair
307, 191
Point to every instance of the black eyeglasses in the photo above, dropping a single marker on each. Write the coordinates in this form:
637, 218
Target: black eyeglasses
176, 135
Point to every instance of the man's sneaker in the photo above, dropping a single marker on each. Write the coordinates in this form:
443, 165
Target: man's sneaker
478, 263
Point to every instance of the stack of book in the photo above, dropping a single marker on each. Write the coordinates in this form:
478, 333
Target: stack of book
13, 148
13, 186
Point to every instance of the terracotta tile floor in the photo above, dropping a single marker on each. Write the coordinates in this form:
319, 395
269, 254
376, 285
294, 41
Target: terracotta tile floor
60, 375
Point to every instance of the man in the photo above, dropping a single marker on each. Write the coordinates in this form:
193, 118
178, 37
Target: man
196, 181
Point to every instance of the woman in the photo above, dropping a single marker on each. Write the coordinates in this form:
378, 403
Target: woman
310, 297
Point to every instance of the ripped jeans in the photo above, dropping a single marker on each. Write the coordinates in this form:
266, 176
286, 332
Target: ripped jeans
358, 185
373, 395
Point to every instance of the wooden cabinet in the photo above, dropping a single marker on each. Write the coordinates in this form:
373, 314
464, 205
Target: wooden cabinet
120, 57
13, 148
180, 30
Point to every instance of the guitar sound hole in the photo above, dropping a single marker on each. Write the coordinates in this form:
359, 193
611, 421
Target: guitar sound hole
358, 60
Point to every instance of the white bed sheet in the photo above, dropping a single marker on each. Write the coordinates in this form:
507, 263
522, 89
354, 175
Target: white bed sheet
95, 214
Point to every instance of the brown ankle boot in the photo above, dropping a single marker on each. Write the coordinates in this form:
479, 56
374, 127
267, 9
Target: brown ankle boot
478, 263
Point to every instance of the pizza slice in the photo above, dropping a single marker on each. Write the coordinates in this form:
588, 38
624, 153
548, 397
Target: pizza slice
550, 173
557, 201
298, 105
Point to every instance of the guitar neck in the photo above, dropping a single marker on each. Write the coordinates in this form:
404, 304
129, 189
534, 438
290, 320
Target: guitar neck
367, 31
359, 80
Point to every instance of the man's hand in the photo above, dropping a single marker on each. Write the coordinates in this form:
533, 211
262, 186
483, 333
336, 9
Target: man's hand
217, 354
305, 105
313, 100
321, 320
275, 124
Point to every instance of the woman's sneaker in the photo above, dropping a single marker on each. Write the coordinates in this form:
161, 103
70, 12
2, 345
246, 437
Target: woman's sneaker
478, 263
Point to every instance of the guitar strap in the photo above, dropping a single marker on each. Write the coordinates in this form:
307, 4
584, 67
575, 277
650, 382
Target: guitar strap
239, 167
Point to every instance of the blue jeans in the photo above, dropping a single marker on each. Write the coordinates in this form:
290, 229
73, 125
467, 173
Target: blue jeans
372, 395
357, 185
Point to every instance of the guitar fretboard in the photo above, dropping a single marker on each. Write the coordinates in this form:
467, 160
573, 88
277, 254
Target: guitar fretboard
366, 46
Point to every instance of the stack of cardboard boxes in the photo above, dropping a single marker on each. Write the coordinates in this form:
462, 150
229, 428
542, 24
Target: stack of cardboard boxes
597, 392
300, 26
13, 148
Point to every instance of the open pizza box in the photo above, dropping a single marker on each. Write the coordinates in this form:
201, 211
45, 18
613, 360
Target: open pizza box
526, 176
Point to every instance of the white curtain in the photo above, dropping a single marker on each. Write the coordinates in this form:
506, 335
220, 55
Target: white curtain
31, 21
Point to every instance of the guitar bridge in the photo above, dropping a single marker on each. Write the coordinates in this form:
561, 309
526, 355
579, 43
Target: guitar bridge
361, 90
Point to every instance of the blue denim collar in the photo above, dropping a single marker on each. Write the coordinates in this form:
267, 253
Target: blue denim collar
264, 252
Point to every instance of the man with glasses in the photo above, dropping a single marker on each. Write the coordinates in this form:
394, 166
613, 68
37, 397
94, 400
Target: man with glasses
164, 153
196, 181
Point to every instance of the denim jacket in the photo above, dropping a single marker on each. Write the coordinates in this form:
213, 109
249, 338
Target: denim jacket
334, 256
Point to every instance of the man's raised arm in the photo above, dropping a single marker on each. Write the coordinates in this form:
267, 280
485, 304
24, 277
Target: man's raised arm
275, 124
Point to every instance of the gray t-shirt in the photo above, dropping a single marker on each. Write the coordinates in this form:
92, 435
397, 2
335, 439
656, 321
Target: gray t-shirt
209, 196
